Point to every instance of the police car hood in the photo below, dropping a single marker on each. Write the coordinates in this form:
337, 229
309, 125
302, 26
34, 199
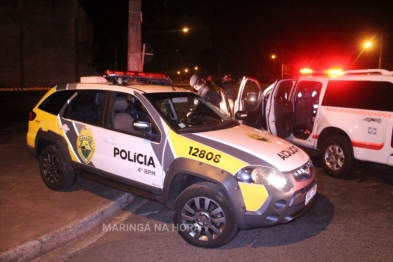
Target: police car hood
256, 147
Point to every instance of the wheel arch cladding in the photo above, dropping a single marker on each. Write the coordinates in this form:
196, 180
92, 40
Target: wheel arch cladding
330, 131
184, 172
45, 138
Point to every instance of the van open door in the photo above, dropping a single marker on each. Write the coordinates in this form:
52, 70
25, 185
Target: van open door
279, 110
249, 100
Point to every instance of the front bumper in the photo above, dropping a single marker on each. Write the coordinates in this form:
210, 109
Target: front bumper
281, 210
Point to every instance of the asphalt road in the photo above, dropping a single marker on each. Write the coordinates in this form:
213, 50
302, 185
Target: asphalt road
350, 220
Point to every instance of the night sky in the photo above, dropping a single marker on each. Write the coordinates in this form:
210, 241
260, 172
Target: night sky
238, 37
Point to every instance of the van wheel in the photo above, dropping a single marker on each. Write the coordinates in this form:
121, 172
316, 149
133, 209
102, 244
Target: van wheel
54, 170
204, 217
336, 157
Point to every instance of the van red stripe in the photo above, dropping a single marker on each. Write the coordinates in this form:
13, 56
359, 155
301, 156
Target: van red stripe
367, 145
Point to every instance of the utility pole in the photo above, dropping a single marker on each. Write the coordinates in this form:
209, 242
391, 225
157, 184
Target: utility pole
134, 62
380, 51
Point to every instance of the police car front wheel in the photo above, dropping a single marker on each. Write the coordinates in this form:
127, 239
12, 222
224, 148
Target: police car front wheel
203, 216
54, 170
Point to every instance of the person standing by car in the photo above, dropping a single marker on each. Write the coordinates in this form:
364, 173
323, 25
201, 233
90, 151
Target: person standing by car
208, 80
204, 90
227, 83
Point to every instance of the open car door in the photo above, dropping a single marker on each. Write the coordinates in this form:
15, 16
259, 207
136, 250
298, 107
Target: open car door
249, 100
279, 110
225, 106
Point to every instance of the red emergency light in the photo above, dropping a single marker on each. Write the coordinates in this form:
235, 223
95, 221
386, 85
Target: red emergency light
135, 73
330, 72
306, 71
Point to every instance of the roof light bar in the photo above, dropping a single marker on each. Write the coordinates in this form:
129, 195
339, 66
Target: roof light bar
110, 73
306, 71
132, 77
331, 72
339, 72
334, 72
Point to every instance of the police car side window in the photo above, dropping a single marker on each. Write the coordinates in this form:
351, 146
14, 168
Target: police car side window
85, 107
370, 95
125, 110
55, 102
308, 89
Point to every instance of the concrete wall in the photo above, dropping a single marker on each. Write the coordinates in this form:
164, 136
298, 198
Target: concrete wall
44, 42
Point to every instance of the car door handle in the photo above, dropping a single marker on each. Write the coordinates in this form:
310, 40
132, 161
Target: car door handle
109, 140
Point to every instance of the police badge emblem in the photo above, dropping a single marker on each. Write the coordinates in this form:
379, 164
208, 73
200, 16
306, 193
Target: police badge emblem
85, 145
258, 138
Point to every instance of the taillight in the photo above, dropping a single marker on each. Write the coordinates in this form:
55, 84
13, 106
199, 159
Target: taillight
32, 115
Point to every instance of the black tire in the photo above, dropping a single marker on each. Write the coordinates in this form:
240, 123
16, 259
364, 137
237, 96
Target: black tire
204, 217
336, 157
54, 170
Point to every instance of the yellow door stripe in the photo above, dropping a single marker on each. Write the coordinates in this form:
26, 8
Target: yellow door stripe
185, 147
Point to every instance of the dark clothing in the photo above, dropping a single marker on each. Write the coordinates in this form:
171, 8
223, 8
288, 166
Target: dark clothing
229, 87
210, 94
210, 84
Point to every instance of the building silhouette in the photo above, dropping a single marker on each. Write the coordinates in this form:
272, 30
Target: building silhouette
44, 42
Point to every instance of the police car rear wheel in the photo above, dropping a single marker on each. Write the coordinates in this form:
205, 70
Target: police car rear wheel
336, 157
54, 170
203, 216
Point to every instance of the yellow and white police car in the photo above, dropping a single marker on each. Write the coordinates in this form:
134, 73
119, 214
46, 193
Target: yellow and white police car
168, 143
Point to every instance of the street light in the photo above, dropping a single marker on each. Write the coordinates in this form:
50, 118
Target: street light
183, 30
368, 45
273, 56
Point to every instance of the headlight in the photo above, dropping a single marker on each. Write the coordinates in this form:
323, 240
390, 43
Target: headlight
264, 176
304, 172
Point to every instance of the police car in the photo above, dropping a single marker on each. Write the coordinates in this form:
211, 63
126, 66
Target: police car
342, 116
167, 143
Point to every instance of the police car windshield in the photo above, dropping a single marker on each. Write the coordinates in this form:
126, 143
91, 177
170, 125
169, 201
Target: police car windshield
187, 112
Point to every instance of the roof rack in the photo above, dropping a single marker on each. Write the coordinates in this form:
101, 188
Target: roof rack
130, 77
369, 72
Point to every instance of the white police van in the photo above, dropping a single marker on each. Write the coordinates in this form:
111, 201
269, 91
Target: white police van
344, 117
171, 145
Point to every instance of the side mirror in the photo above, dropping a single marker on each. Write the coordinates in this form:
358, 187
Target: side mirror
241, 115
142, 125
